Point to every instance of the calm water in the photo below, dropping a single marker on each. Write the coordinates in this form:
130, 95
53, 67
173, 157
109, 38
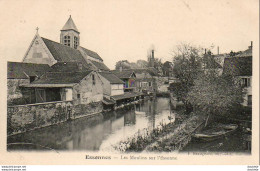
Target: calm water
98, 133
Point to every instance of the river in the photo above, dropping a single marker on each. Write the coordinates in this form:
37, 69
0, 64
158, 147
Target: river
97, 133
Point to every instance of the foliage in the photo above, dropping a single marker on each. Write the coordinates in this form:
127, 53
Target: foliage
166, 137
199, 84
214, 94
124, 64
142, 64
187, 66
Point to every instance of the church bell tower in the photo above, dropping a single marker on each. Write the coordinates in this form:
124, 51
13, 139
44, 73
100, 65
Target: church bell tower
69, 35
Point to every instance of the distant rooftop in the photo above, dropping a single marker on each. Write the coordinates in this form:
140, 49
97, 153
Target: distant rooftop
123, 73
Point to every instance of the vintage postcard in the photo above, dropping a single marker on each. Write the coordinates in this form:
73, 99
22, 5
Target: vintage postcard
129, 82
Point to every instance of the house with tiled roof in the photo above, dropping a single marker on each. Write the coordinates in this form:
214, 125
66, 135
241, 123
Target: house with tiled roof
19, 74
113, 89
19, 70
240, 67
80, 87
112, 85
145, 79
45, 51
128, 76
54, 57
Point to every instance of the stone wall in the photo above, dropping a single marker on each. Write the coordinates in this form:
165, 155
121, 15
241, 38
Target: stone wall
87, 91
14, 93
22, 118
81, 110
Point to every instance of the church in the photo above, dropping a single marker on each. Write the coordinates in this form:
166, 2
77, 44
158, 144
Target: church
45, 51
52, 71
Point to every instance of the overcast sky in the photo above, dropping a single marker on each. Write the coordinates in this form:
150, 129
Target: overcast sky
126, 29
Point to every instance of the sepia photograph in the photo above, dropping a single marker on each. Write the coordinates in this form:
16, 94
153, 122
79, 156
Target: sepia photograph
124, 80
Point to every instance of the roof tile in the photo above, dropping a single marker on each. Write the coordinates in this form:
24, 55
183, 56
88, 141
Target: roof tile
238, 66
70, 25
91, 53
63, 53
112, 78
20, 70
61, 77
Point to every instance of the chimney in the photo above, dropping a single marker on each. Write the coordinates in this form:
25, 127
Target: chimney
205, 51
152, 59
251, 47
218, 50
152, 54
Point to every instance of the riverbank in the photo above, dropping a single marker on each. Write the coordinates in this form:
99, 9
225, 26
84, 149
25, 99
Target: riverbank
166, 137
98, 132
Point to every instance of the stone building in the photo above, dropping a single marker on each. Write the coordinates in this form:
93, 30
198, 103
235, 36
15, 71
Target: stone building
78, 87
128, 76
112, 85
52, 58
240, 67
45, 51
19, 74
146, 80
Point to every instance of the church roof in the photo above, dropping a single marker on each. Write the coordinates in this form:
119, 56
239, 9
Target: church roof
70, 25
100, 65
63, 53
91, 53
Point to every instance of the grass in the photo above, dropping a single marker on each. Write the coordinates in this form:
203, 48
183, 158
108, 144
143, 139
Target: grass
165, 137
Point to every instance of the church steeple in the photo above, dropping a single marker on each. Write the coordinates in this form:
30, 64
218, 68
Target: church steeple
69, 34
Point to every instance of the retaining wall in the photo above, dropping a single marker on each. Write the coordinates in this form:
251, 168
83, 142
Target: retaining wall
21, 118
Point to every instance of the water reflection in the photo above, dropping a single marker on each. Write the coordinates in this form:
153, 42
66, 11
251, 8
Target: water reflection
99, 132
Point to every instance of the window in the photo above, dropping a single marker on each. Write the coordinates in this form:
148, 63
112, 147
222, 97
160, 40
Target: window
144, 84
245, 82
67, 40
78, 96
249, 100
76, 42
93, 79
32, 78
150, 84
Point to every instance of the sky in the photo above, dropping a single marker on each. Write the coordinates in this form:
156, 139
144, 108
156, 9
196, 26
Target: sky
126, 29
